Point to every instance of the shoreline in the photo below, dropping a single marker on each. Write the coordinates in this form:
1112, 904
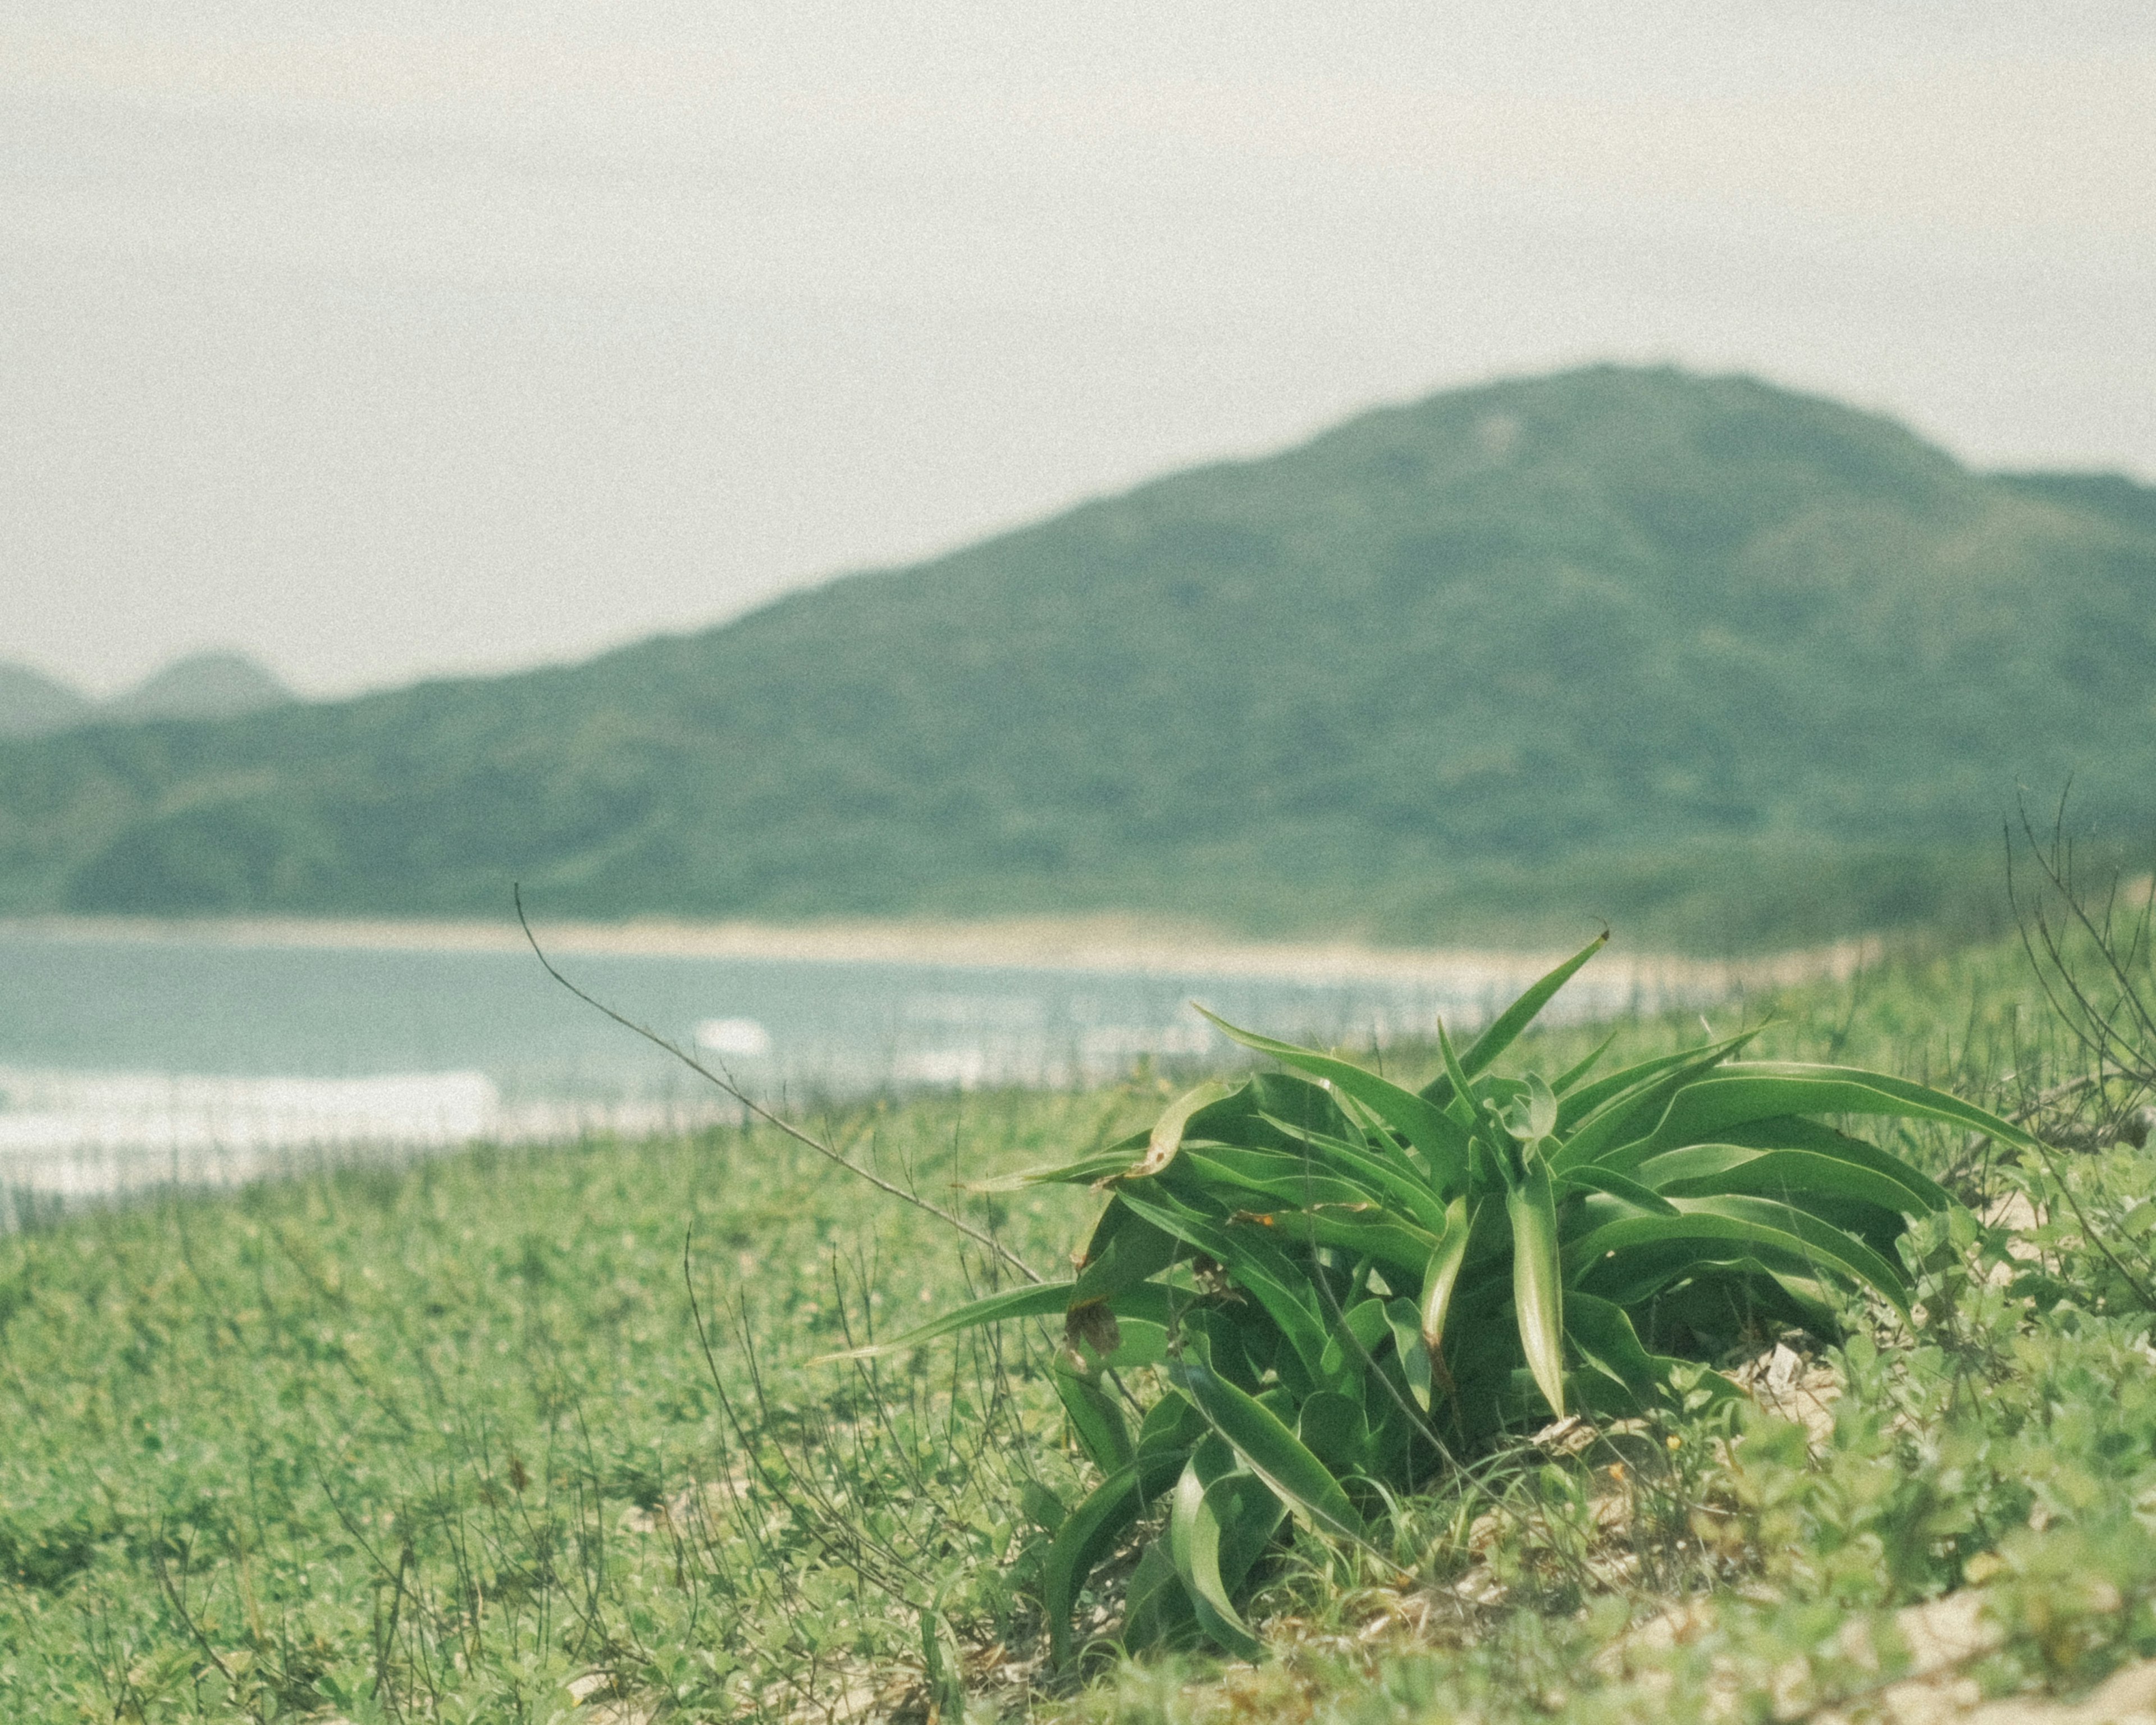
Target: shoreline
1124, 945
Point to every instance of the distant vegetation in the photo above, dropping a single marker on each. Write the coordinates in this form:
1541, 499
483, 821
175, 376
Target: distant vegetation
1732, 664
204, 686
32, 703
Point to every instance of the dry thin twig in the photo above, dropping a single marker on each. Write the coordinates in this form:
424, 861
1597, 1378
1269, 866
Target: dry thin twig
724, 1081
2119, 1035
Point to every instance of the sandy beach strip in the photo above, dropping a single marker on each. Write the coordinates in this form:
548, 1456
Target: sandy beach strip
1123, 945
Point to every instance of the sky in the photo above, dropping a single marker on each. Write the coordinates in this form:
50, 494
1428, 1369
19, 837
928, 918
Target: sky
386, 340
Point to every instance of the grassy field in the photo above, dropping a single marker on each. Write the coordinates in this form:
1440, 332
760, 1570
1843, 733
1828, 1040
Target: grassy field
541, 1435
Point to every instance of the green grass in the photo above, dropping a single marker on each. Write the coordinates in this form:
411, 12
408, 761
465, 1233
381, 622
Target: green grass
438, 1443
434, 1443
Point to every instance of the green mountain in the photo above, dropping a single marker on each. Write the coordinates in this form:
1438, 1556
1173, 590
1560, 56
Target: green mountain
204, 686
1729, 664
32, 703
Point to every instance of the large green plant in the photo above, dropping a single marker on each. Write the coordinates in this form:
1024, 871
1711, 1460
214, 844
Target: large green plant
1344, 1283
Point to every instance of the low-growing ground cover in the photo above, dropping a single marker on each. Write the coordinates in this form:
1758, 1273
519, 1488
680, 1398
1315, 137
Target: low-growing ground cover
437, 1443
446, 1443
1930, 1514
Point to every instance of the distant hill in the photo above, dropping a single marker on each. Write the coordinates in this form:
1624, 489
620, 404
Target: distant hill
32, 703
205, 685
1731, 664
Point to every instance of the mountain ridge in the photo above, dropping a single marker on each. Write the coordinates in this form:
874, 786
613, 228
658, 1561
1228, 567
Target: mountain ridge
1736, 663
215, 684
32, 703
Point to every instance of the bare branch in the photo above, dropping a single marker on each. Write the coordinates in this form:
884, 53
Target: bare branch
723, 1080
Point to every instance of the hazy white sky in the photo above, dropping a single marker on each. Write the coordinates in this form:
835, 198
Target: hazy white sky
385, 338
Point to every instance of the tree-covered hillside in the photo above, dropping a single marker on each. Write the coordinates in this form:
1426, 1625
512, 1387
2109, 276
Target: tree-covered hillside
32, 703
202, 685
1732, 662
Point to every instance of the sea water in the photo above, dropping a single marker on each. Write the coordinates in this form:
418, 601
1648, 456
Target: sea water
126, 1061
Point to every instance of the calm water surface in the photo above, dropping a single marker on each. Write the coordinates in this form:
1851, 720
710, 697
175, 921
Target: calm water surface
126, 1060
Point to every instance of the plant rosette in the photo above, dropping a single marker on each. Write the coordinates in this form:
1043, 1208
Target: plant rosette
1347, 1283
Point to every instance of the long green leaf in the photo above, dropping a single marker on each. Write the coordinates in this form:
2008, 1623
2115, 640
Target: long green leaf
1791, 1131
1047, 1299
1312, 1105
1595, 1177
1504, 1028
1142, 1342
1756, 1089
1361, 1329
1458, 1100
1102, 1431
1091, 1530
1632, 1113
1157, 1610
1400, 1248
1571, 1076
1538, 1280
1226, 1115
1583, 1104
1301, 1180
1127, 1249
1405, 1322
1606, 1340
1251, 1516
1823, 1239
1440, 1141
1171, 1425
1166, 1137
1743, 1223
1303, 1205
1385, 1182
1697, 1172
1632, 1277
1147, 1302
1266, 1447
1443, 1275
1087, 1170
1258, 1268
1335, 1429
1193, 1543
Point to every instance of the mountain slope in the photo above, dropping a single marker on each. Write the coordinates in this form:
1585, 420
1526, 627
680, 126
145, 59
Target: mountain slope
32, 703
1739, 663
204, 686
